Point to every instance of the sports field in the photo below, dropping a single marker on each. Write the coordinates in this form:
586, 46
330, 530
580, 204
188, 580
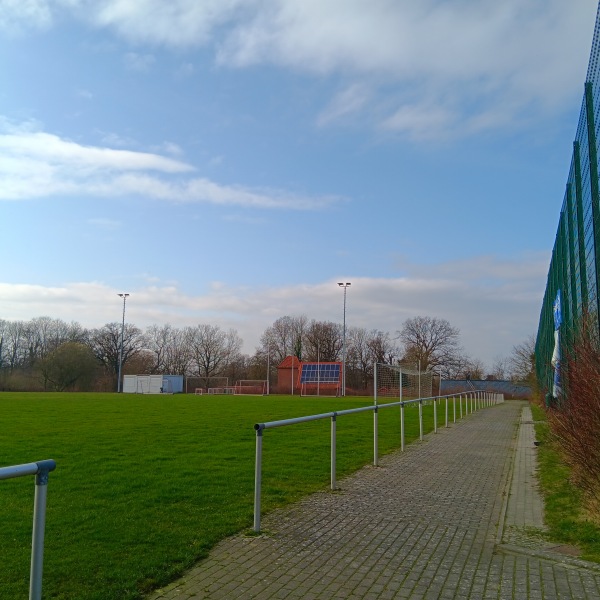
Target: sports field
145, 485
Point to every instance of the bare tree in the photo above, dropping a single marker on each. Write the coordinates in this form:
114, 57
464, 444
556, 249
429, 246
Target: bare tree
501, 368
14, 344
284, 337
522, 361
3, 342
383, 349
106, 344
212, 349
430, 342
359, 357
323, 341
171, 349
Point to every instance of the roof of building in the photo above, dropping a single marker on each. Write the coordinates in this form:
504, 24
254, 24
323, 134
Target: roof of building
290, 362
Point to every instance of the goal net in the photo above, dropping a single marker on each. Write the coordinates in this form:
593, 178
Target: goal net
401, 382
196, 384
254, 387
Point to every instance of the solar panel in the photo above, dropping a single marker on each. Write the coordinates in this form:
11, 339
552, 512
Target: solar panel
320, 373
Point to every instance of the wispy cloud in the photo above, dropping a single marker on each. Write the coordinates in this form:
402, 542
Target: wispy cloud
19, 15
138, 62
346, 103
36, 164
85, 94
104, 223
484, 65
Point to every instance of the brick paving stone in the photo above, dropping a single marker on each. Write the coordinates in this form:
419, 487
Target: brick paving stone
454, 516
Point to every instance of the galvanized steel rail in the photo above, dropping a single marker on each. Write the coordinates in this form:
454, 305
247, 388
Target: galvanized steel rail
41, 470
476, 399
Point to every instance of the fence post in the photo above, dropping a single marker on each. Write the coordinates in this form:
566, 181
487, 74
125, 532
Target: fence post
454, 409
421, 419
446, 411
402, 427
375, 437
39, 525
333, 429
435, 415
257, 477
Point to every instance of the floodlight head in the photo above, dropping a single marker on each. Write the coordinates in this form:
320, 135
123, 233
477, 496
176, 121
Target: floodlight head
123, 295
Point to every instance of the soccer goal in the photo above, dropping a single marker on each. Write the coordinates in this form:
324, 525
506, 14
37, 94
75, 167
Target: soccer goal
197, 384
251, 387
401, 382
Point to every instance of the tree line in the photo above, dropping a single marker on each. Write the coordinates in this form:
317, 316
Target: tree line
50, 354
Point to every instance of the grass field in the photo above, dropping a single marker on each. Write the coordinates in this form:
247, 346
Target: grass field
146, 485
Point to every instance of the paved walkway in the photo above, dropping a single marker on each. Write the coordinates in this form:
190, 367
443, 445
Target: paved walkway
451, 517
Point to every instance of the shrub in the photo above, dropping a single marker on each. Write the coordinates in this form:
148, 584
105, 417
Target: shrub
575, 417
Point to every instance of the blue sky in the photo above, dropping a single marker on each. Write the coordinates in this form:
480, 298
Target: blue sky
228, 161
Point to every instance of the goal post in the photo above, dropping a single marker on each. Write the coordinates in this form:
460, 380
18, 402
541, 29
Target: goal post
251, 387
401, 382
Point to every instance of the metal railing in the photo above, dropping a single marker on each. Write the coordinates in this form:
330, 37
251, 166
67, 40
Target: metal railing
473, 400
41, 470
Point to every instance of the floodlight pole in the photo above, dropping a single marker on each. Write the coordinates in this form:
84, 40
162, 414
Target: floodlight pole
119, 388
345, 286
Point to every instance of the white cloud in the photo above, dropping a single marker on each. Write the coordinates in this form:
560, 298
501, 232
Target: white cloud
15, 15
494, 302
55, 151
174, 23
35, 164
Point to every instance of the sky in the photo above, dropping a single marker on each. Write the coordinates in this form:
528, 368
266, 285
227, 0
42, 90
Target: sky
230, 161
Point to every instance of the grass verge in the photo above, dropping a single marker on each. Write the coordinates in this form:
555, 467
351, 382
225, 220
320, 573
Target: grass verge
564, 513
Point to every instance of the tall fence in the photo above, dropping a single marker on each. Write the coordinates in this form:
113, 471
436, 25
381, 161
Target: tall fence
41, 470
472, 401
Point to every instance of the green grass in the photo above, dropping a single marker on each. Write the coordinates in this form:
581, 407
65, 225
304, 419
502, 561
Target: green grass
564, 513
145, 486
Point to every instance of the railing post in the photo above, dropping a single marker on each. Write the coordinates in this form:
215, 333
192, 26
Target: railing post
257, 477
454, 408
402, 427
39, 525
435, 415
420, 419
446, 411
375, 437
333, 458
